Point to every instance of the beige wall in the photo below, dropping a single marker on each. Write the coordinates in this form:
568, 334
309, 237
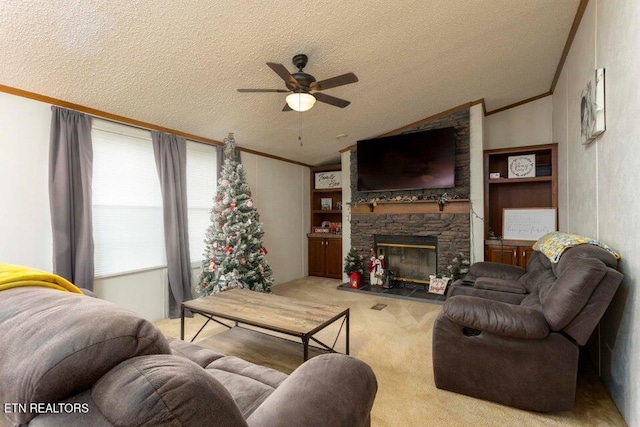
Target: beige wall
281, 194
599, 182
477, 122
526, 124
25, 222
280, 189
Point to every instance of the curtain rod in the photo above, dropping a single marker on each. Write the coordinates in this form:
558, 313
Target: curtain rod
132, 122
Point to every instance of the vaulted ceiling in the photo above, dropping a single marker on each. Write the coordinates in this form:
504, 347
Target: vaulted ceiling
177, 64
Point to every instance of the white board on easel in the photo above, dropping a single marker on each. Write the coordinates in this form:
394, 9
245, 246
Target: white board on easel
528, 224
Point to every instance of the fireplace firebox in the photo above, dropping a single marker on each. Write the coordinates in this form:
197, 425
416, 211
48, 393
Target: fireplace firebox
407, 259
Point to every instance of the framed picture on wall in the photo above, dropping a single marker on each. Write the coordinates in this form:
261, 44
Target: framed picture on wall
592, 108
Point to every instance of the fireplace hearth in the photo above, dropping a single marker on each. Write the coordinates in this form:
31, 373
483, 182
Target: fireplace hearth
409, 260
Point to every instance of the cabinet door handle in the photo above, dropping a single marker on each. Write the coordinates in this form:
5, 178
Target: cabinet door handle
524, 254
515, 254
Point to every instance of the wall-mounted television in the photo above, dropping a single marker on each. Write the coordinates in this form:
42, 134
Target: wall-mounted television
410, 161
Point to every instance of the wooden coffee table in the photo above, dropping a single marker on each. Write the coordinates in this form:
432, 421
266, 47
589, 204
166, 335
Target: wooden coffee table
285, 315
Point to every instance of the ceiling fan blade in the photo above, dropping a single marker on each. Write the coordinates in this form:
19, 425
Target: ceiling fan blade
344, 79
287, 108
328, 99
284, 74
264, 90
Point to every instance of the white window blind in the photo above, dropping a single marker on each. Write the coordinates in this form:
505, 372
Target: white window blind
201, 190
127, 203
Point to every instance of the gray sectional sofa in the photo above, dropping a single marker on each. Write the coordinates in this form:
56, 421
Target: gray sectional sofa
73, 360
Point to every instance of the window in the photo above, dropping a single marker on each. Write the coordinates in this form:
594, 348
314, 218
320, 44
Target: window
127, 203
201, 190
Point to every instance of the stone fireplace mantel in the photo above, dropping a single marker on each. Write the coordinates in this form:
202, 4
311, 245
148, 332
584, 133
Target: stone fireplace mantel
417, 207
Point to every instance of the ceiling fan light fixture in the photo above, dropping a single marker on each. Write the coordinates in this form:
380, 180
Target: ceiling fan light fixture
300, 101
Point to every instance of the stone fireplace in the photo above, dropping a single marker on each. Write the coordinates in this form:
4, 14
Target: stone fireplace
413, 214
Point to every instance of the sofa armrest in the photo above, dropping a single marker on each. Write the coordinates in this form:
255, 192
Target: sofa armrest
496, 317
495, 270
328, 390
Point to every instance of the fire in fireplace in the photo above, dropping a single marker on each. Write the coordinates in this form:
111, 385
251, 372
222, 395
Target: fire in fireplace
409, 259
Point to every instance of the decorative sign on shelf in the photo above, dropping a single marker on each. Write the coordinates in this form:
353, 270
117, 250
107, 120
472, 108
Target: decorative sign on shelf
523, 166
528, 224
331, 179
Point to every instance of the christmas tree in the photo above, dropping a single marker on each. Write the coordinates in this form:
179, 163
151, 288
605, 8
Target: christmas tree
353, 263
234, 256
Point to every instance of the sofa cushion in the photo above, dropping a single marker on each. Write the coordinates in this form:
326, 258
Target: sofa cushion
164, 390
581, 252
55, 344
563, 299
249, 384
195, 353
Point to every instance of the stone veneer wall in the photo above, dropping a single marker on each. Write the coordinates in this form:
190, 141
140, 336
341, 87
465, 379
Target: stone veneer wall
452, 230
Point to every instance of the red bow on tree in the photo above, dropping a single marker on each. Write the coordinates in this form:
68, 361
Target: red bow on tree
228, 249
263, 250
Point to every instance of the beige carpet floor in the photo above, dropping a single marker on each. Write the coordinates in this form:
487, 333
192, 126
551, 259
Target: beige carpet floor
396, 343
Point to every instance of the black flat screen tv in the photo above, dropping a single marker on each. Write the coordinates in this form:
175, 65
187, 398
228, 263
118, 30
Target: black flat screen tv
409, 161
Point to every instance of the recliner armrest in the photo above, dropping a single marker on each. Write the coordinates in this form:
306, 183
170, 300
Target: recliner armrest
496, 317
501, 285
495, 270
327, 390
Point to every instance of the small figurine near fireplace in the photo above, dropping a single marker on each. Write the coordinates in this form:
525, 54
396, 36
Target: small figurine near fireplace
376, 269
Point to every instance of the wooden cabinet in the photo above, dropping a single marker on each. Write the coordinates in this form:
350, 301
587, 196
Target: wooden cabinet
325, 249
508, 254
538, 191
325, 256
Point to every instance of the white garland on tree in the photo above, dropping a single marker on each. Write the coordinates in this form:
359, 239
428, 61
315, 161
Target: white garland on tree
234, 256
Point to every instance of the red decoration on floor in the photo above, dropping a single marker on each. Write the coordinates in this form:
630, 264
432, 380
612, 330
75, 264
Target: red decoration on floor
354, 280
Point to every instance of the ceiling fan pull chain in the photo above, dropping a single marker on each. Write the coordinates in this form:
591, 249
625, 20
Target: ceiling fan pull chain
299, 128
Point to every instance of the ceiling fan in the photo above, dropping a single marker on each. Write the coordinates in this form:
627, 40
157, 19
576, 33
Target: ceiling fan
303, 88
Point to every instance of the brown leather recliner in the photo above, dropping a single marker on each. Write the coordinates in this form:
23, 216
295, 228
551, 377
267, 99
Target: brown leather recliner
512, 335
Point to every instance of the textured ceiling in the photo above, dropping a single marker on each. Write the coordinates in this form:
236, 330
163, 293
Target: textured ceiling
178, 64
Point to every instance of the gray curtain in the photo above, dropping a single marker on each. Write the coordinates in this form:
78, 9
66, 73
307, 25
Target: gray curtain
70, 173
170, 152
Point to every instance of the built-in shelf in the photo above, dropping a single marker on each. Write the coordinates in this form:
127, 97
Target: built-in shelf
503, 193
418, 206
325, 249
